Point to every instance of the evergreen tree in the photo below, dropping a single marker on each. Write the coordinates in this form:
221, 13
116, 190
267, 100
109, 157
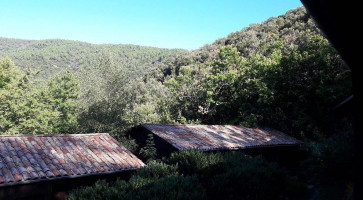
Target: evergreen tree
63, 95
149, 151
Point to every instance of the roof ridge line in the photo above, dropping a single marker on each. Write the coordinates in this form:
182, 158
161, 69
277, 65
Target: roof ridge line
53, 135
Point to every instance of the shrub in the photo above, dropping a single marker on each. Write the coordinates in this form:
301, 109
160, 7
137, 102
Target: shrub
157, 170
198, 175
236, 175
156, 181
172, 187
101, 190
241, 176
329, 164
149, 151
191, 162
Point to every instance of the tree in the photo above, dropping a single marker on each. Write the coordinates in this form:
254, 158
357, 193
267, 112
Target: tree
149, 151
8, 73
63, 95
28, 107
21, 107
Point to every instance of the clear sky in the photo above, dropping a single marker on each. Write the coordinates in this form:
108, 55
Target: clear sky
187, 24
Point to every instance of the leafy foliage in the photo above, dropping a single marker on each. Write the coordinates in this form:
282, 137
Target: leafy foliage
288, 77
149, 151
29, 108
193, 162
156, 181
196, 175
64, 95
330, 164
124, 105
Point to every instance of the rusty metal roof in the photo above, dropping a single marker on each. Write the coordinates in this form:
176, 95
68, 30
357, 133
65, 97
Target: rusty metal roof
219, 137
29, 158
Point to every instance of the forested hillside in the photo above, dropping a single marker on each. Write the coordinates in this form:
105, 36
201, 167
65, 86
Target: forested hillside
281, 73
53, 56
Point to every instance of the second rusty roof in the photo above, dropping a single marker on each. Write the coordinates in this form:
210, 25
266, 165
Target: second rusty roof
219, 137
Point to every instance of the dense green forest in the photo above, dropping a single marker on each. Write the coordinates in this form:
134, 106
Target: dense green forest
281, 73
53, 56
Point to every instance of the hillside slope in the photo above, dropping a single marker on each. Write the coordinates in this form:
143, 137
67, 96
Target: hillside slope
281, 72
52, 56
290, 27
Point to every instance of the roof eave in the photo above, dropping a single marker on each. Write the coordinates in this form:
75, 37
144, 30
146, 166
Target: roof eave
64, 177
242, 148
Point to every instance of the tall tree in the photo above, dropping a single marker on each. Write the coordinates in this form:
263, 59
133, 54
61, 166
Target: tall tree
30, 108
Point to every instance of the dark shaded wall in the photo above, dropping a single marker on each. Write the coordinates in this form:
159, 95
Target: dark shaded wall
163, 148
286, 156
55, 189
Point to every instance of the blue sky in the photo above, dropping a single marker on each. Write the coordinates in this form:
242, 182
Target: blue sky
187, 24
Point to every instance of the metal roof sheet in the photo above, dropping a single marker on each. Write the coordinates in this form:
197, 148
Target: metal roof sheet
219, 137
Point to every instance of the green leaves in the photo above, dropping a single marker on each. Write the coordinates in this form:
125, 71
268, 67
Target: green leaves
64, 96
227, 59
156, 181
198, 175
149, 151
29, 108
7, 72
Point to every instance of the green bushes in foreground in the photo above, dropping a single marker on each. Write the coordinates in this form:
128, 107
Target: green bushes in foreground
197, 175
156, 181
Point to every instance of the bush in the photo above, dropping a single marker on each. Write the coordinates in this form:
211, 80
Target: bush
156, 181
198, 175
191, 162
236, 175
329, 164
171, 187
157, 170
149, 151
247, 177
101, 190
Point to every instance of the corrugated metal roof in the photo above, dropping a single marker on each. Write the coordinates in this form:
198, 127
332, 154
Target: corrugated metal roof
219, 137
26, 158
